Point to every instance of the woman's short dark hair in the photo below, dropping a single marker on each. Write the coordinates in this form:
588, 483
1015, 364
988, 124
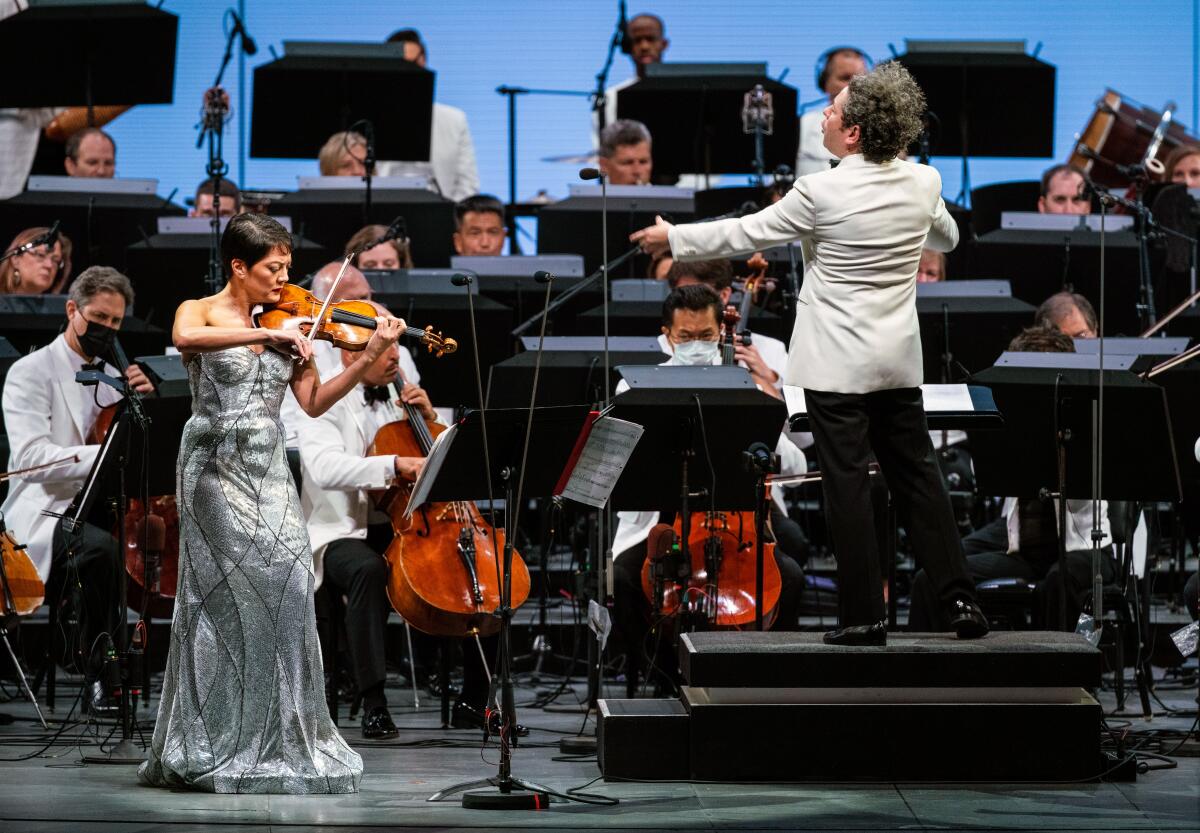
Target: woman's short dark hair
886, 104
695, 297
251, 237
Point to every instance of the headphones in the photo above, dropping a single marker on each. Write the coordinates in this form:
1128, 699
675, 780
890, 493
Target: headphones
821, 68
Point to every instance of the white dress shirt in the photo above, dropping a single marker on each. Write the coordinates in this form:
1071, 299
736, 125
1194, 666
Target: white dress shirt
1079, 524
634, 527
862, 226
451, 162
48, 416
329, 364
811, 155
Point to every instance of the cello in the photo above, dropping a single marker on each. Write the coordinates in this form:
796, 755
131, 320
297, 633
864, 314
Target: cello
718, 585
443, 574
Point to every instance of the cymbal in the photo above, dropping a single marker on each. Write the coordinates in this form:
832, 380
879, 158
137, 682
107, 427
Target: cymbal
589, 158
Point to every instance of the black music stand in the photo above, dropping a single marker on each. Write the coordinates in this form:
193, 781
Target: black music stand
130, 448
105, 53
457, 479
1048, 400
568, 377
966, 325
569, 225
694, 113
972, 90
335, 85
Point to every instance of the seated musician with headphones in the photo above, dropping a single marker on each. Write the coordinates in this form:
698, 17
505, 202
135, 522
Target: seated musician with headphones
835, 67
691, 325
50, 417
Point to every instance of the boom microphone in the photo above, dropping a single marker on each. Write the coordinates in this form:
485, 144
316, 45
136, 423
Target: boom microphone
398, 230
590, 173
248, 44
459, 279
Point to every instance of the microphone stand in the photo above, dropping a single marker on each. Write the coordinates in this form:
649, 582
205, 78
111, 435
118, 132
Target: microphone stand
368, 163
212, 128
599, 97
589, 281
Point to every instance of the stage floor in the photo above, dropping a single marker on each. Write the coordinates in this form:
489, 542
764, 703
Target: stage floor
55, 791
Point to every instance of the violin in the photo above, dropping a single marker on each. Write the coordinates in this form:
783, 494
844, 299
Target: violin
718, 585
345, 324
757, 287
443, 576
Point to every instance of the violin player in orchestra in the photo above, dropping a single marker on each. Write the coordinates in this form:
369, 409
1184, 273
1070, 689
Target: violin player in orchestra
691, 325
49, 416
243, 702
346, 533
856, 347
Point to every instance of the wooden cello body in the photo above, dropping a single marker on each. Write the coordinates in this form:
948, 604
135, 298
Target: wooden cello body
443, 573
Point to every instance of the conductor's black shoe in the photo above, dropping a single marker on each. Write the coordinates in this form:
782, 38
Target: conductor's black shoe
97, 702
875, 634
466, 716
377, 724
966, 619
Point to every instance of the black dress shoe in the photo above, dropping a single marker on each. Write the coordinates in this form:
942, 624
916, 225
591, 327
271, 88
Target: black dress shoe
875, 634
466, 716
966, 619
433, 685
377, 724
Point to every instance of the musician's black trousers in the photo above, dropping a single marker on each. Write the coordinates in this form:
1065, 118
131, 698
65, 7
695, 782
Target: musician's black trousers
890, 423
82, 582
358, 572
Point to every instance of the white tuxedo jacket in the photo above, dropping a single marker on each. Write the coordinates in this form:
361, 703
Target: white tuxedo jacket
451, 156
862, 226
46, 416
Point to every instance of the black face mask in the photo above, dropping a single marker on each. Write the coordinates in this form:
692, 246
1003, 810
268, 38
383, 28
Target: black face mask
96, 339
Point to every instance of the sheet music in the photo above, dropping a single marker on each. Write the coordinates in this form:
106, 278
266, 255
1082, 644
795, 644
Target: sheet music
608, 448
428, 475
938, 399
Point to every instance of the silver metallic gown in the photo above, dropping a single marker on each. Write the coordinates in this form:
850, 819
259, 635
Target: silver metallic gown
243, 703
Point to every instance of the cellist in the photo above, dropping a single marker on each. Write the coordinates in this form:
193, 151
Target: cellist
49, 416
691, 325
347, 535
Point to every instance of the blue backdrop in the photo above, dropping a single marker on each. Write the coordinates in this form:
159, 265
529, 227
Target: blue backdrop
1146, 51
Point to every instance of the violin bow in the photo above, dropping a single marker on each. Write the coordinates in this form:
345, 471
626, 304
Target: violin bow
74, 458
312, 331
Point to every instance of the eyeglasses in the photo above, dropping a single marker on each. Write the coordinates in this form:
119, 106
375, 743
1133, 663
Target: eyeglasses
42, 254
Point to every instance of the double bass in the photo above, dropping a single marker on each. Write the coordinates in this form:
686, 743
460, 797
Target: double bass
718, 582
443, 572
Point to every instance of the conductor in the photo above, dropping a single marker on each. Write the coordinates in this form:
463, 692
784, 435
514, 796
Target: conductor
856, 347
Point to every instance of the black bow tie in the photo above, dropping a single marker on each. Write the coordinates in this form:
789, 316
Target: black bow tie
375, 393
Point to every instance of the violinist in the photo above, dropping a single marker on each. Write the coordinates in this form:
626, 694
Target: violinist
243, 699
346, 533
691, 326
49, 416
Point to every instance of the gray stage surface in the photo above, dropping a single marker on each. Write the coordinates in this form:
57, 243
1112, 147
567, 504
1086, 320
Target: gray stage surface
56, 792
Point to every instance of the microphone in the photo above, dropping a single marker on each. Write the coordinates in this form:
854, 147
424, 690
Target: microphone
459, 279
659, 545
248, 44
398, 230
50, 237
541, 276
590, 173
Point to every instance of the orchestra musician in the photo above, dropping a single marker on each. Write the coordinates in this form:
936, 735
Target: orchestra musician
932, 267
645, 42
41, 270
479, 226
229, 202
1029, 538
856, 346
343, 154
49, 416
1063, 192
835, 68
451, 166
391, 254
625, 153
91, 153
1183, 166
691, 326
243, 699
347, 547
1070, 313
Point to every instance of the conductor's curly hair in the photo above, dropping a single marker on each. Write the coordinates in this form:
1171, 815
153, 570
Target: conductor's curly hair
886, 104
